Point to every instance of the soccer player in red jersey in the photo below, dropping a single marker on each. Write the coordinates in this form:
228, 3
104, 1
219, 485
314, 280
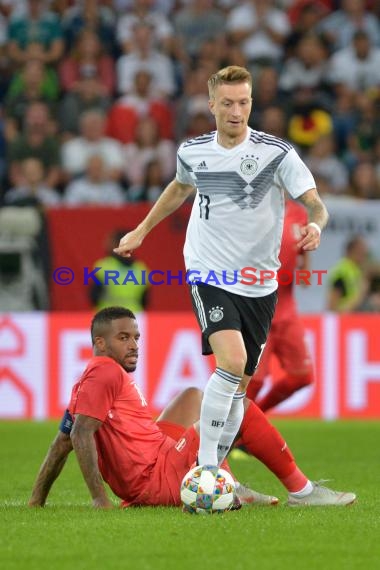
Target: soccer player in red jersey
116, 440
286, 338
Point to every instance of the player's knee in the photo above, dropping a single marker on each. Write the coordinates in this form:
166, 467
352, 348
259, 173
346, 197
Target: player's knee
193, 395
233, 363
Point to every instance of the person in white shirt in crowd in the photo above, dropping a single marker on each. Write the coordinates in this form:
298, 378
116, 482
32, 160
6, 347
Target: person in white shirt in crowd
308, 67
339, 26
260, 28
323, 162
145, 12
196, 22
148, 146
357, 66
144, 56
32, 186
94, 188
92, 141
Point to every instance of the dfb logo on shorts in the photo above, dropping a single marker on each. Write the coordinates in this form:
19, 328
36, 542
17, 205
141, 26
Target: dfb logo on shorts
216, 314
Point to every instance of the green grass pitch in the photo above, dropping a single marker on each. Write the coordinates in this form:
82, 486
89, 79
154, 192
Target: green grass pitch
68, 533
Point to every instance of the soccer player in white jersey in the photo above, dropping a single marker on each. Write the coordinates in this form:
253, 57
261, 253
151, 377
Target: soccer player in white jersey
236, 222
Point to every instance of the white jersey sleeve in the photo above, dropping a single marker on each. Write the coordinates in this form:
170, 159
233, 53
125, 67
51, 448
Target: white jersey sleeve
183, 174
294, 176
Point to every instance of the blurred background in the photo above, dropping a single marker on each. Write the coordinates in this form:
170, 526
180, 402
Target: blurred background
95, 97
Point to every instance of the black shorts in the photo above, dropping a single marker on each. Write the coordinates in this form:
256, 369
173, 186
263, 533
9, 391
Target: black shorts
218, 310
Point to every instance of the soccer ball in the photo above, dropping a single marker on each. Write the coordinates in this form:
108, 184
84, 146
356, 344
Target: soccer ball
207, 489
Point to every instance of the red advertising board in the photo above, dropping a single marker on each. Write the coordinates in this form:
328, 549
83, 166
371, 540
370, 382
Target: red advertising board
42, 356
78, 238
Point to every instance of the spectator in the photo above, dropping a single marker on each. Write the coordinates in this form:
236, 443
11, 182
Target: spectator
92, 141
274, 122
348, 284
144, 57
323, 162
195, 89
200, 120
144, 12
324, 187
340, 26
87, 14
133, 294
267, 94
140, 102
147, 147
344, 119
216, 52
304, 16
37, 140
260, 29
88, 59
85, 97
35, 82
357, 66
307, 68
152, 185
364, 183
377, 159
32, 186
37, 34
371, 303
362, 139
94, 188
197, 22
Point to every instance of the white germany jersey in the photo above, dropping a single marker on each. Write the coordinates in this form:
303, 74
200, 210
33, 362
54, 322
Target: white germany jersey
237, 216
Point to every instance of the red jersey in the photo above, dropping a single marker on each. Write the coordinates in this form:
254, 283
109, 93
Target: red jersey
129, 441
295, 218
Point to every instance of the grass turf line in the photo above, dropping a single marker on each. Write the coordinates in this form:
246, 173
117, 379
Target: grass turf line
69, 531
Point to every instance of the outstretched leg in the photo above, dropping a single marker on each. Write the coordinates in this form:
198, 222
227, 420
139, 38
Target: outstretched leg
289, 346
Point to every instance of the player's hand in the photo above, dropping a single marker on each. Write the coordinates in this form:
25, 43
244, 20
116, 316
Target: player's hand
102, 503
131, 241
311, 238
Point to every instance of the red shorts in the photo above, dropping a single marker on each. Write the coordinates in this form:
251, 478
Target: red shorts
176, 458
286, 341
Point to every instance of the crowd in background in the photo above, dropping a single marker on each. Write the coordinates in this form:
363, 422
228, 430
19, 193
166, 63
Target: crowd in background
96, 95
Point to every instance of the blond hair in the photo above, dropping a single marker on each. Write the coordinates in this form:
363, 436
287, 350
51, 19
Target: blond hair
230, 74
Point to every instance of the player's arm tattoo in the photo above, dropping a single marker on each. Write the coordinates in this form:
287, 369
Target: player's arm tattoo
316, 209
82, 438
50, 469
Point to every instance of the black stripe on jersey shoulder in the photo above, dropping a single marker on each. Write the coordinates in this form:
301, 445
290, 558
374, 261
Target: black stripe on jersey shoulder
184, 164
259, 137
202, 139
278, 140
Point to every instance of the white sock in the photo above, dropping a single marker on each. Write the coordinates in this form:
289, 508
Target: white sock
216, 405
307, 489
233, 423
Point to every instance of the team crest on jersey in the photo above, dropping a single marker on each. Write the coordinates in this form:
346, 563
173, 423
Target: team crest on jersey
249, 166
216, 314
